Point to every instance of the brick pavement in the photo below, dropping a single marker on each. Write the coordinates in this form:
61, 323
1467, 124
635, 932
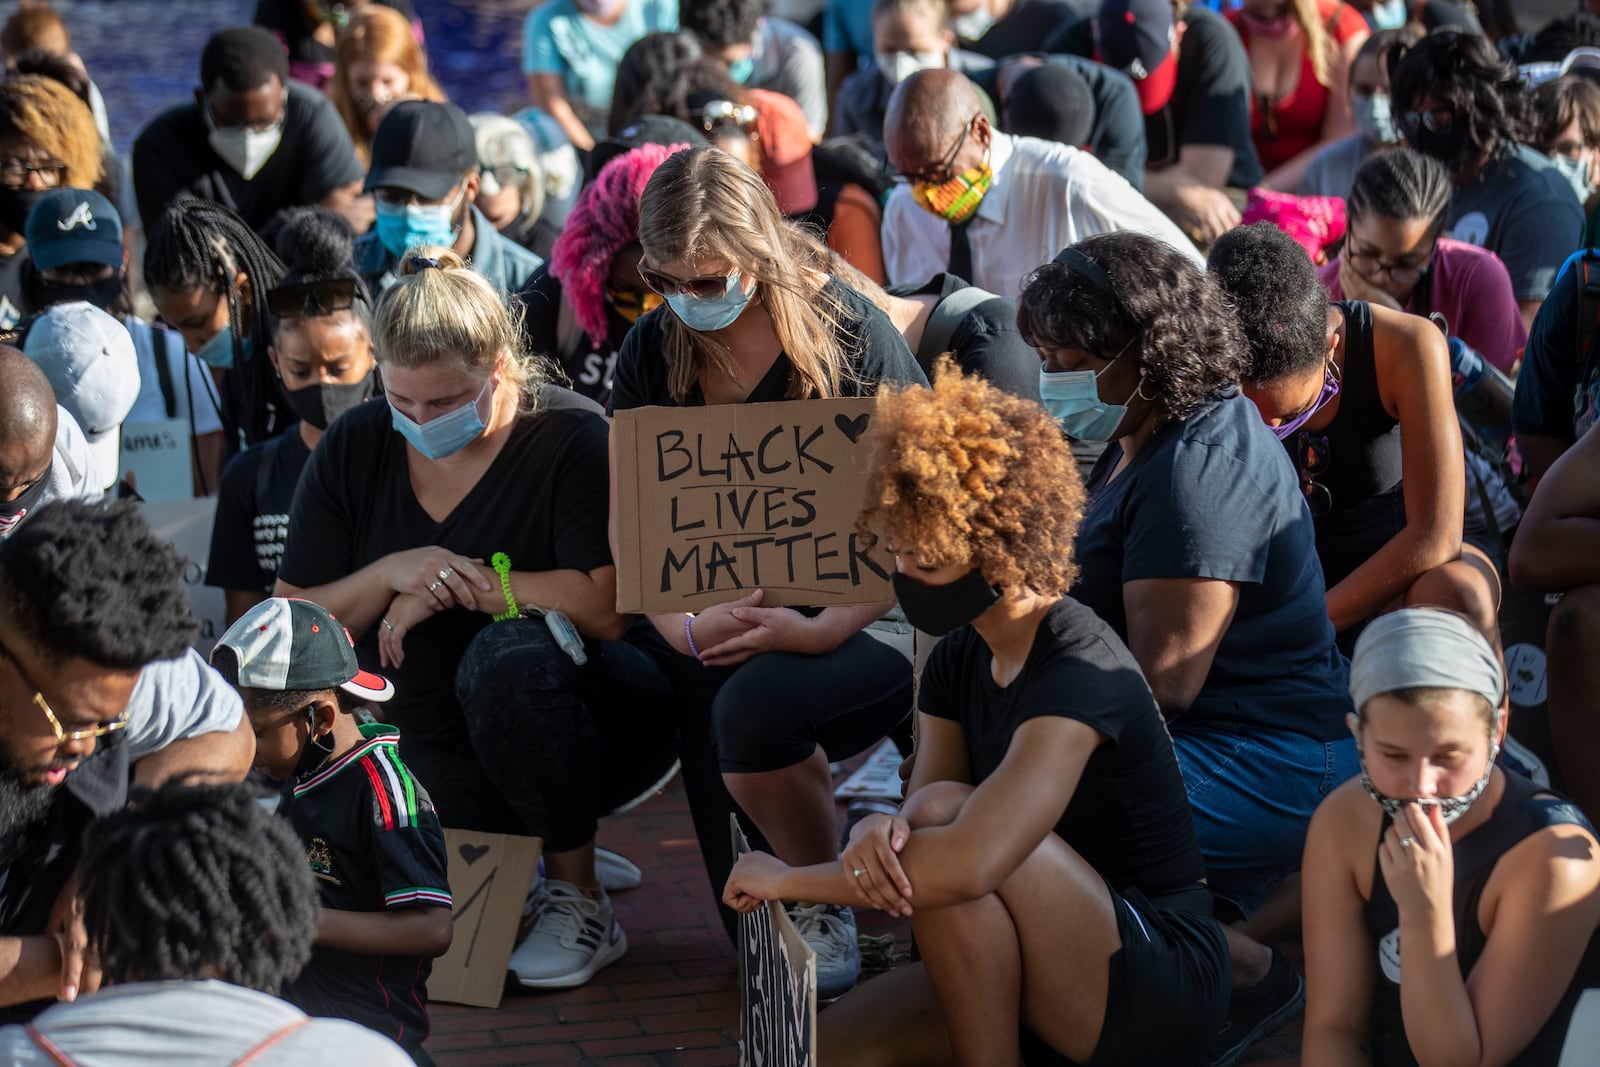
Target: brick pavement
673, 1000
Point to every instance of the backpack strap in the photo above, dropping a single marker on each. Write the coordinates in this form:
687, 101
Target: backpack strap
48, 1047
271, 1039
946, 316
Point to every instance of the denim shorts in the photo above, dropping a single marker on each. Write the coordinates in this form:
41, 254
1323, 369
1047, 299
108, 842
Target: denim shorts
1252, 791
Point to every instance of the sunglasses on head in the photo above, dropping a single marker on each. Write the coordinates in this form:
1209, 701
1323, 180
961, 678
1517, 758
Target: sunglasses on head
727, 113
699, 288
1310, 460
309, 299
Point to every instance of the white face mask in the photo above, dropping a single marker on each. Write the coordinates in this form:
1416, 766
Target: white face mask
974, 24
244, 149
896, 67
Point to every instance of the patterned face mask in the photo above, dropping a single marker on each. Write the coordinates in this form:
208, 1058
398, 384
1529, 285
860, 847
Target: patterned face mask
956, 200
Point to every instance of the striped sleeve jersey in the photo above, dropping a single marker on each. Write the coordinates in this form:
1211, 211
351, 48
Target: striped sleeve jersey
373, 843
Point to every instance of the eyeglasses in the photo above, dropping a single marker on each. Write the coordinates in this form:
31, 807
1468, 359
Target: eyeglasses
1370, 265
63, 735
15, 172
945, 169
700, 288
725, 113
505, 176
1310, 460
254, 127
1438, 120
310, 299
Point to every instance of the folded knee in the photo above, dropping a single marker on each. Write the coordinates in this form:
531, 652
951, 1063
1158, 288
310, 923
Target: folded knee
511, 658
1575, 622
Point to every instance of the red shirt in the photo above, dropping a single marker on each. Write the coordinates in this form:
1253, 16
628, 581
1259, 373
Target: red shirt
1297, 118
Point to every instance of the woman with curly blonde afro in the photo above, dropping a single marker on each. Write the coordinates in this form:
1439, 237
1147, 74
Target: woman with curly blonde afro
1045, 854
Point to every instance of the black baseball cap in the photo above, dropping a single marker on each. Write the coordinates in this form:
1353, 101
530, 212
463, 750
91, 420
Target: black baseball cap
422, 147
646, 129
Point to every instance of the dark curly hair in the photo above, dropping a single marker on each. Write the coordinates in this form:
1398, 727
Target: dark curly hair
1277, 297
192, 882
94, 581
720, 23
965, 472
1170, 313
652, 60
1466, 72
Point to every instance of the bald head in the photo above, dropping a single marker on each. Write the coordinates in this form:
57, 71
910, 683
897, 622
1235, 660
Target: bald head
927, 114
27, 421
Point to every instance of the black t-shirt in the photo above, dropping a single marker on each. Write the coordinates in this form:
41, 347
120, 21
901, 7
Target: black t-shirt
1129, 816
172, 156
875, 349
543, 502
1210, 102
252, 522
374, 844
985, 342
1022, 28
1215, 496
589, 368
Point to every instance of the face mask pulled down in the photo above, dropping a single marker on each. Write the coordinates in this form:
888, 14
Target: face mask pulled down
1450, 808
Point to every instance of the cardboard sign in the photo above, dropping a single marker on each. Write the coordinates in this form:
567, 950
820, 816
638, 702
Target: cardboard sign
158, 454
777, 986
489, 879
187, 525
718, 501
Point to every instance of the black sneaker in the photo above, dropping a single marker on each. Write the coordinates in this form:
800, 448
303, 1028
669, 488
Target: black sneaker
1257, 1011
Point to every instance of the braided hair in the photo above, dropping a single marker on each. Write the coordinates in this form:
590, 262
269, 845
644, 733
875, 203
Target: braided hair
1402, 184
201, 244
192, 882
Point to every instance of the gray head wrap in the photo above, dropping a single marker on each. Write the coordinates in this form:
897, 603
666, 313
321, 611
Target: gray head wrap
1423, 647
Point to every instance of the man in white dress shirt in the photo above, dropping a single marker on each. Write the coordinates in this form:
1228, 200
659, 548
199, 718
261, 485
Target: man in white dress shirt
987, 206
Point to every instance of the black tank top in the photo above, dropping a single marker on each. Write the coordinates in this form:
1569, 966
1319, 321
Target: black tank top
1524, 809
1363, 454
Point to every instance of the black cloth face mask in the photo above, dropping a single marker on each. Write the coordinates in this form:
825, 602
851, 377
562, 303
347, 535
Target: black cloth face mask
14, 511
15, 204
938, 609
320, 404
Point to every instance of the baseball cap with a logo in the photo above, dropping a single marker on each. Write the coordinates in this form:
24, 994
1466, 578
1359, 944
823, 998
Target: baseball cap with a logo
93, 368
73, 226
1138, 37
286, 643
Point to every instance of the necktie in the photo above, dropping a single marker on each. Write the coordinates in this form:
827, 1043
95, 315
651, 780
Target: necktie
960, 251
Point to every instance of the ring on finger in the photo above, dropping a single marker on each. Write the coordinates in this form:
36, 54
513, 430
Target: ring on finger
1405, 842
859, 871
434, 587
444, 575
387, 625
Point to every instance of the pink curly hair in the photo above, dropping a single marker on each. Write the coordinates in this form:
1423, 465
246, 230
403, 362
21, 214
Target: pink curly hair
603, 222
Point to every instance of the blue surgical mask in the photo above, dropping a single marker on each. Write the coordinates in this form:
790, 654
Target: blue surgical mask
405, 226
1072, 397
1576, 171
1388, 15
218, 352
712, 313
741, 69
1374, 119
445, 435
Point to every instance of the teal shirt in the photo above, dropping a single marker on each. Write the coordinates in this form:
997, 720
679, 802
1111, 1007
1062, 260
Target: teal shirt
559, 39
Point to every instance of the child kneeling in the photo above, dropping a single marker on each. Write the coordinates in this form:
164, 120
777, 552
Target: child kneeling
372, 838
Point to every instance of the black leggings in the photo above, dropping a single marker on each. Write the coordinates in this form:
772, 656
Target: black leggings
560, 745
773, 711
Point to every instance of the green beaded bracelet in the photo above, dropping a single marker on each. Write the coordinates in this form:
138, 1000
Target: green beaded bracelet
502, 566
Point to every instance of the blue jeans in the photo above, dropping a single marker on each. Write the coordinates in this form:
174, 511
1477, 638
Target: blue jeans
1252, 791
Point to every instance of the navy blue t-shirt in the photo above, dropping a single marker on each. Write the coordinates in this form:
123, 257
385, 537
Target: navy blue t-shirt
1215, 496
1558, 389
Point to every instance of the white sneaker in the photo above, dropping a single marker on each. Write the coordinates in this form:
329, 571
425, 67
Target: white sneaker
617, 873
573, 937
830, 931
